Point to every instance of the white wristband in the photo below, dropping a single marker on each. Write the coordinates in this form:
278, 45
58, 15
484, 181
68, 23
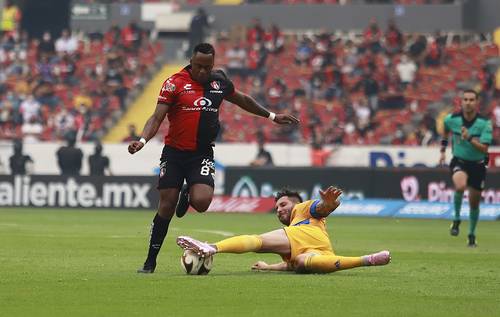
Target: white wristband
143, 141
272, 115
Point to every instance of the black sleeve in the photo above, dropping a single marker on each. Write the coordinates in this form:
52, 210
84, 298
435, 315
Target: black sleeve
228, 84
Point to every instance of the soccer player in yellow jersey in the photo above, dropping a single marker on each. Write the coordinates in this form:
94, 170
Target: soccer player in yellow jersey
303, 243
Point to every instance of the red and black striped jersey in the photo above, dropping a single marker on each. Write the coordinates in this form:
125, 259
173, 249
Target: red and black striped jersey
194, 108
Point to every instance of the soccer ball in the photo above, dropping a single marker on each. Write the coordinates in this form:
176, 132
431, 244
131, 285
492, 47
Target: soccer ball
194, 264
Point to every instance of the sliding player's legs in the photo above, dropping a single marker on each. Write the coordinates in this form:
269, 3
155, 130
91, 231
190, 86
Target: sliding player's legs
271, 242
320, 263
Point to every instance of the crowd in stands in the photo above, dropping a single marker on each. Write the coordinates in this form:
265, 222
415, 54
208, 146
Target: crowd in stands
381, 87
79, 83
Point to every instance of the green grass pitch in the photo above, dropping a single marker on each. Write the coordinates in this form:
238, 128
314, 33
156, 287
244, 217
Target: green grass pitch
83, 262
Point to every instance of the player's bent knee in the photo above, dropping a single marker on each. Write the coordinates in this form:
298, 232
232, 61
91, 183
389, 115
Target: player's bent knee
299, 263
200, 205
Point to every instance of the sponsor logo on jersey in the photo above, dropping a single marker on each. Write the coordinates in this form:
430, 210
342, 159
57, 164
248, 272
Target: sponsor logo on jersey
202, 102
215, 85
187, 89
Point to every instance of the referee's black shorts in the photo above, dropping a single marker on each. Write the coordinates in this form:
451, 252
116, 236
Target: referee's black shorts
475, 170
196, 167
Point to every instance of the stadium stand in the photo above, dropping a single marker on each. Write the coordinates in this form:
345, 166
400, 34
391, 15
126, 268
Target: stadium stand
77, 83
377, 87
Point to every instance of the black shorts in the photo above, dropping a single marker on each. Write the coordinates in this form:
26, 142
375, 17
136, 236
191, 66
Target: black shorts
476, 171
196, 167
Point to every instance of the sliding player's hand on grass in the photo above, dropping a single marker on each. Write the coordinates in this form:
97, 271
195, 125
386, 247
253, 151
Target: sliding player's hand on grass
260, 265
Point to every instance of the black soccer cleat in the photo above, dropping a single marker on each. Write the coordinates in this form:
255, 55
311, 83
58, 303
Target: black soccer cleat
147, 268
472, 241
183, 202
454, 229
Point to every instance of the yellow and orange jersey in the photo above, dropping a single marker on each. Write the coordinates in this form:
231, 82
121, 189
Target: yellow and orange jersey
307, 232
305, 214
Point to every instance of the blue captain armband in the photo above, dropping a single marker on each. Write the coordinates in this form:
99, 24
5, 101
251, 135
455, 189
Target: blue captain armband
312, 209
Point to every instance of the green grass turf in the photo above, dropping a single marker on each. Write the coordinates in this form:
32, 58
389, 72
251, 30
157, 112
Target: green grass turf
83, 262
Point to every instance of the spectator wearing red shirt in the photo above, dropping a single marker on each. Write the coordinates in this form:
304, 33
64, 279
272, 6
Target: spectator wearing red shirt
372, 36
255, 33
274, 40
131, 36
393, 39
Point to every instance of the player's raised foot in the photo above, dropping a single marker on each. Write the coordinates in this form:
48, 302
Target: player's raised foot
455, 228
379, 258
183, 202
202, 248
147, 268
472, 241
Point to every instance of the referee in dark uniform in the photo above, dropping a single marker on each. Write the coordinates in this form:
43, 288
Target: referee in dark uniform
191, 99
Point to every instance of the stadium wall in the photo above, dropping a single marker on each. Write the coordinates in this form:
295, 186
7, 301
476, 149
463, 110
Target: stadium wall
487, 15
472, 15
146, 161
335, 17
92, 17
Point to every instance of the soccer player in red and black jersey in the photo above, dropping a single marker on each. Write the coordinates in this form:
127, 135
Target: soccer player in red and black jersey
191, 100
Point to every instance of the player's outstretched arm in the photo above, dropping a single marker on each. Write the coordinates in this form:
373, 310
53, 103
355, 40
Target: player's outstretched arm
263, 266
249, 104
150, 128
329, 201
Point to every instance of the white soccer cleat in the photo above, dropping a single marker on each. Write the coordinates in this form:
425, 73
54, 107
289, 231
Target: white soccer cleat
379, 258
201, 248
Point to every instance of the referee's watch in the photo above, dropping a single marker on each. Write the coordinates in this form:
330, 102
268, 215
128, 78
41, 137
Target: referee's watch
469, 138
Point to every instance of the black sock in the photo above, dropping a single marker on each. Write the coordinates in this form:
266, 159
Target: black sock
159, 229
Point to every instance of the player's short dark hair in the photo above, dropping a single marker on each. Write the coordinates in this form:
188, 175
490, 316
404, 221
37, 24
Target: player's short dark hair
287, 192
204, 48
471, 91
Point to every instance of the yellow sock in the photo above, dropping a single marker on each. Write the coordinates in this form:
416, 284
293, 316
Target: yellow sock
239, 244
331, 263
